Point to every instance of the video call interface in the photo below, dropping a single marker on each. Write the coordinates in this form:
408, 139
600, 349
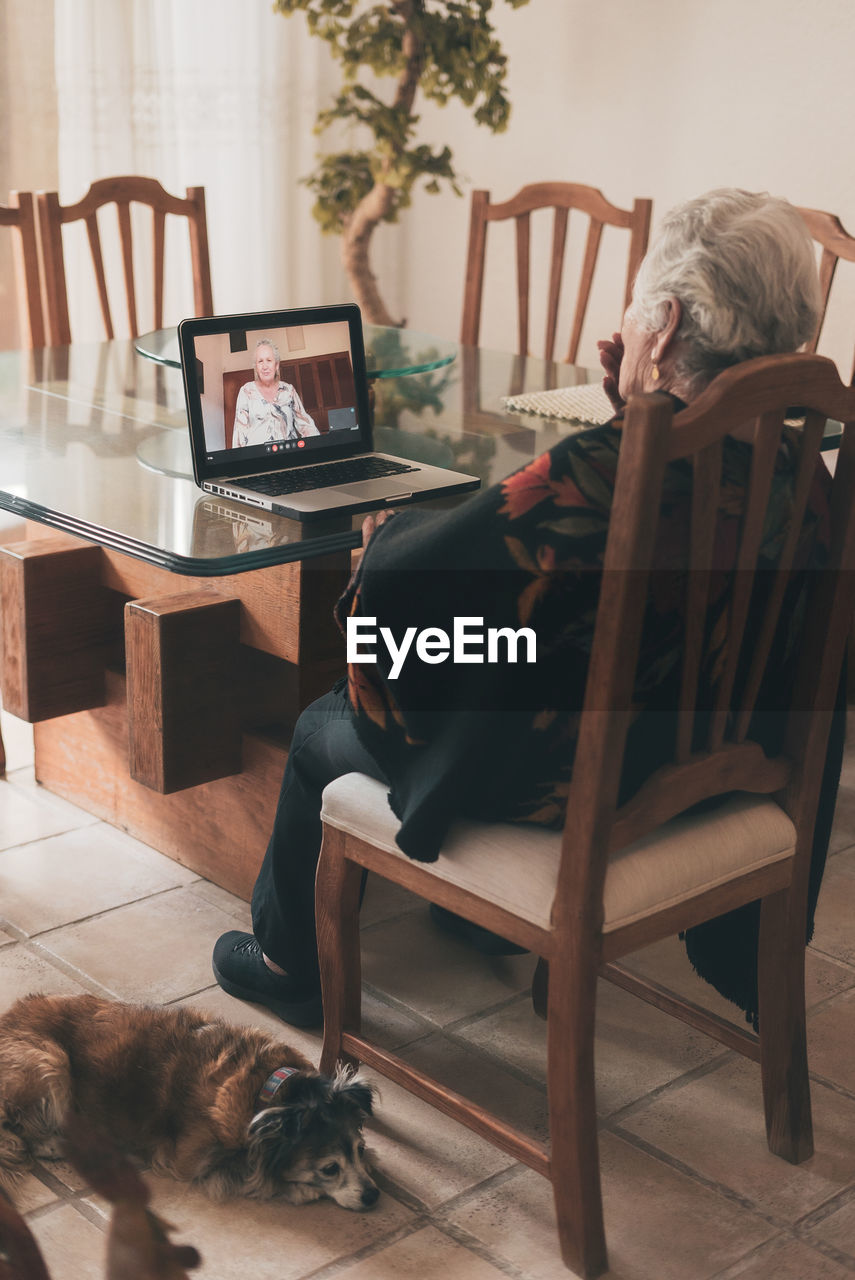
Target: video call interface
273, 391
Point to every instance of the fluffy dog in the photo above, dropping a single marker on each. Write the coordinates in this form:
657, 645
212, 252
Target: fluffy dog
227, 1108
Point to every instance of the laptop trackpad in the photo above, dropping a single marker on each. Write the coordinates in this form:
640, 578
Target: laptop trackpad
390, 487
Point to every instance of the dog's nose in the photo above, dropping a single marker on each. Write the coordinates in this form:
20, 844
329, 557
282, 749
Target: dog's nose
370, 1196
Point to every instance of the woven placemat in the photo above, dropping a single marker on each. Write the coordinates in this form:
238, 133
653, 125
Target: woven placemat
587, 403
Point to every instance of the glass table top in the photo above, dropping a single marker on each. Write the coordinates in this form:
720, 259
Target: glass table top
94, 441
389, 353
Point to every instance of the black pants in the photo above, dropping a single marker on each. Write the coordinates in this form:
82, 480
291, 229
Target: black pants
324, 747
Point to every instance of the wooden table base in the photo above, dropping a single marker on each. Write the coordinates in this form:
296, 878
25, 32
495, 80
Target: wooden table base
164, 704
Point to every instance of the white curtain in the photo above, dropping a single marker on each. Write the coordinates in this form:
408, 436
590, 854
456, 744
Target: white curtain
217, 93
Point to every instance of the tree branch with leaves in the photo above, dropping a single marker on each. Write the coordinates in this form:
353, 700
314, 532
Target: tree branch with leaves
442, 49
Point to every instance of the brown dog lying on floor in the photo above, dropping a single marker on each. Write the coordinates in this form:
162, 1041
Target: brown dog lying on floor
228, 1108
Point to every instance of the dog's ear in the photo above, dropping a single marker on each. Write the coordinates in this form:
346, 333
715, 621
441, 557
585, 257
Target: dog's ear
353, 1091
280, 1125
286, 1123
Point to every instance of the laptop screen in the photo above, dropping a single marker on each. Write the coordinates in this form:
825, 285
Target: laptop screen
274, 390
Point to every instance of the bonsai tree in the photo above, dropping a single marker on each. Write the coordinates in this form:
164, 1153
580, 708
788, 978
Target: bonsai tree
443, 48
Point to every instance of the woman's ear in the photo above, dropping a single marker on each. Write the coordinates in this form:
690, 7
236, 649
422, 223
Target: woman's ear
666, 335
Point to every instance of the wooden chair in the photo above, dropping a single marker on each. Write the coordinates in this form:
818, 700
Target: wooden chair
562, 197
20, 213
123, 192
837, 243
619, 878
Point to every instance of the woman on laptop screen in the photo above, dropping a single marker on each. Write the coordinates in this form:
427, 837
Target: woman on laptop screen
268, 409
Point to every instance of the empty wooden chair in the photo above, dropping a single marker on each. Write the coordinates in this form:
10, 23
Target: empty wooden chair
20, 214
123, 192
836, 243
562, 197
621, 877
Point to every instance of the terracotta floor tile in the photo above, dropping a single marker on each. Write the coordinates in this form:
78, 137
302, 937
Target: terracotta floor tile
441, 979
158, 949
637, 1048
228, 902
831, 1035
73, 1249
843, 831
666, 963
838, 1230
715, 1126
24, 818
660, 1225
23, 970
483, 1079
18, 741
424, 1255
422, 1151
79, 873
384, 900
787, 1259
270, 1240
834, 935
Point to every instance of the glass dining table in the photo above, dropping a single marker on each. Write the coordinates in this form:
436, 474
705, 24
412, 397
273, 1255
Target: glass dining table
162, 641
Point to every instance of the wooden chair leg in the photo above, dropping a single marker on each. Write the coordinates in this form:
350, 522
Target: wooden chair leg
337, 892
783, 1039
575, 1160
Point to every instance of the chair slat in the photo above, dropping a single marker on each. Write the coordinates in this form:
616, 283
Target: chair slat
829, 232
706, 485
556, 268
123, 209
561, 197
592, 248
523, 268
812, 433
766, 438
158, 236
94, 236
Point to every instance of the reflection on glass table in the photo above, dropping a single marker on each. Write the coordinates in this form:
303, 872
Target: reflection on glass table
389, 353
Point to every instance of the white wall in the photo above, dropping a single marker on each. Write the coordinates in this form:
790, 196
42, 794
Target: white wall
663, 98
666, 99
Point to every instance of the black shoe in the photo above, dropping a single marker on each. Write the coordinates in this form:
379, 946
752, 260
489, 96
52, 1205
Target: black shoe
240, 970
489, 944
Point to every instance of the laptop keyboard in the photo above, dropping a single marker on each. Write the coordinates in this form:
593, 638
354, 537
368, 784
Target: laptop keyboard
325, 476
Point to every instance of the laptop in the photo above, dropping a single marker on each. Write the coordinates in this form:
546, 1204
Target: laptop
279, 416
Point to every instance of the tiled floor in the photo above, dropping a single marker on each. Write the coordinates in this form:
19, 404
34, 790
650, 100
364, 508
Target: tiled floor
690, 1189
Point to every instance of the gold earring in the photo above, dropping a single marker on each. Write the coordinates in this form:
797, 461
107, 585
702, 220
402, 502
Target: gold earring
654, 372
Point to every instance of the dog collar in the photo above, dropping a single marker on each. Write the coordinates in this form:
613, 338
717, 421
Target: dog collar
274, 1081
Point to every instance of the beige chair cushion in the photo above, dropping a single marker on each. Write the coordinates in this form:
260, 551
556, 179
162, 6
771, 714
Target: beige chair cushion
516, 866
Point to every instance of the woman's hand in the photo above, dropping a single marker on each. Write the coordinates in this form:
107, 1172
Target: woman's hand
373, 522
611, 355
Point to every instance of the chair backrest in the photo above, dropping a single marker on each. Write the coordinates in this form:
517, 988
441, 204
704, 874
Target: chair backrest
562, 197
757, 397
836, 243
123, 192
21, 214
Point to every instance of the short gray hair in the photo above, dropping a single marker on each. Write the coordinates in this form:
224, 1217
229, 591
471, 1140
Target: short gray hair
265, 342
743, 268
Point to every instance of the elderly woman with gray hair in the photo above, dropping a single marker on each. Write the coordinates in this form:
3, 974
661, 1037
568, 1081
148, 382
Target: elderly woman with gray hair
729, 276
267, 408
